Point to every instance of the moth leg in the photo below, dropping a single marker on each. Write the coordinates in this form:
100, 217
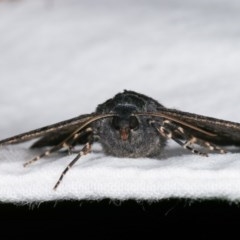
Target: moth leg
67, 143
44, 154
85, 150
211, 146
170, 135
73, 141
174, 134
193, 140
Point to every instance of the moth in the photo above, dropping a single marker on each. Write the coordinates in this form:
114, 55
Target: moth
131, 125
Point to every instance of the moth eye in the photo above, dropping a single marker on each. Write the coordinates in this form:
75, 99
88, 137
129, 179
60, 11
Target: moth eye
116, 123
133, 123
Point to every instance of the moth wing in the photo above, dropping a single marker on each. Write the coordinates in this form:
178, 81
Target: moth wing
54, 132
56, 137
214, 130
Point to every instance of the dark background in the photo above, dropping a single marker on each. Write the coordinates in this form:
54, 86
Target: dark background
108, 218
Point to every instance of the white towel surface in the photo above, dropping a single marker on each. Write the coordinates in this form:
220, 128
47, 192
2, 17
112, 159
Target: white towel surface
59, 59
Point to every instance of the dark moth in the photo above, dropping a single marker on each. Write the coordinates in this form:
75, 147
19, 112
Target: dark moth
132, 125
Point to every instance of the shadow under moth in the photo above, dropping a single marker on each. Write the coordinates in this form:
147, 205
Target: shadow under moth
131, 125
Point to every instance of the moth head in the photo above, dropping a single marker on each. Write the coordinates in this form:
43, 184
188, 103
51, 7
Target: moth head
125, 122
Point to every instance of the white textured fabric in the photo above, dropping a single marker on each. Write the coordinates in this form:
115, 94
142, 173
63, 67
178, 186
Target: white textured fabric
59, 59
